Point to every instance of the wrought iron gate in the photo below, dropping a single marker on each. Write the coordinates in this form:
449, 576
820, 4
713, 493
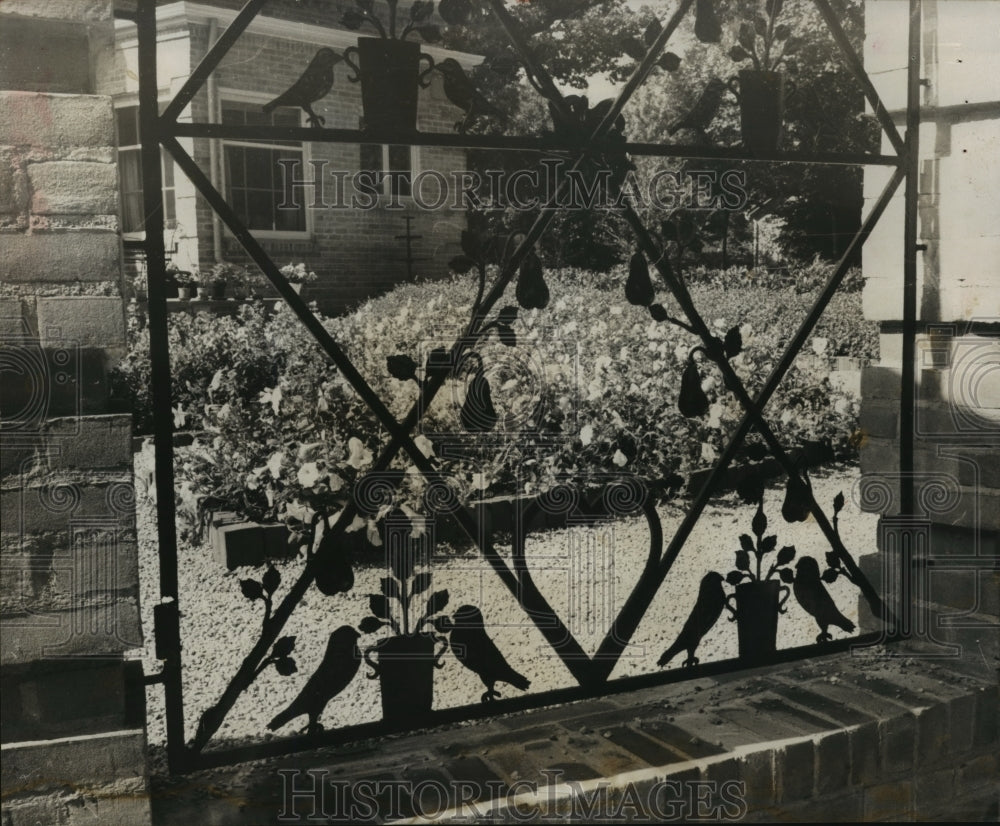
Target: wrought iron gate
593, 138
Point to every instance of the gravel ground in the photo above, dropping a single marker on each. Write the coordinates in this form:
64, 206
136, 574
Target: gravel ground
586, 586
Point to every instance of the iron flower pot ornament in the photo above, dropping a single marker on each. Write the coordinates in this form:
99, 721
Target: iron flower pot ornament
404, 663
762, 91
388, 65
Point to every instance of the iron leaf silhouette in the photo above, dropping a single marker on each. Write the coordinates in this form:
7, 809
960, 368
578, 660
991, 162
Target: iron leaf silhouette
378, 605
283, 647
285, 666
734, 577
652, 31
838, 502
785, 555
742, 561
786, 575
829, 575
369, 625
768, 544
507, 336
436, 602
832, 560
251, 589
669, 61
733, 343
455, 12
271, 579
421, 582
746, 542
390, 587
658, 312
401, 367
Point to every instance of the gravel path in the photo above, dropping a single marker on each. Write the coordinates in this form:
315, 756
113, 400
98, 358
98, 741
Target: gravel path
585, 586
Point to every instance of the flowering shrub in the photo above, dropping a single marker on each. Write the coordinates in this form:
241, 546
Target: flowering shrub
590, 387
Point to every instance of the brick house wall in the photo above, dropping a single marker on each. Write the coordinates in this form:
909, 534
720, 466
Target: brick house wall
72, 721
356, 253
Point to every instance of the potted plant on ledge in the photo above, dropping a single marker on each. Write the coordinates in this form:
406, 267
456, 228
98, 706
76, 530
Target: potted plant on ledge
406, 660
226, 274
185, 280
297, 275
761, 90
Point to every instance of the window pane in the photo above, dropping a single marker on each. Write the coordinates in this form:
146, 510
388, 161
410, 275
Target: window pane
399, 162
127, 120
399, 158
371, 157
235, 173
258, 167
260, 206
169, 208
168, 169
232, 115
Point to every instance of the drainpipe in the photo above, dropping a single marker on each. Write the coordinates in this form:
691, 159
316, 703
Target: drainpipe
214, 166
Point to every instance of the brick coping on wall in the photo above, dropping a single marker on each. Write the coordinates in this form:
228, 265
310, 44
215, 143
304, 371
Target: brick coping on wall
835, 738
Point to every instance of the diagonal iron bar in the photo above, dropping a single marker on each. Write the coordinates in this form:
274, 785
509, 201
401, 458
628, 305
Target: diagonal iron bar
857, 69
212, 59
523, 588
637, 604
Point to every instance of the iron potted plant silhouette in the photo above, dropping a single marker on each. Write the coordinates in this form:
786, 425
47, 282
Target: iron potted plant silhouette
388, 65
761, 91
404, 662
760, 594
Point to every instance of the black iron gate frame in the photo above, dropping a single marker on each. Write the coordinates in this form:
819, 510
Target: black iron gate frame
592, 674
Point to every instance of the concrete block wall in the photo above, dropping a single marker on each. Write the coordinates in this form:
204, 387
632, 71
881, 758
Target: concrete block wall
72, 721
957, 396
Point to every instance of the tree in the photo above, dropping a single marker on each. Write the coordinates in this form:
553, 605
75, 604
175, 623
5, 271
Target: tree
579, 39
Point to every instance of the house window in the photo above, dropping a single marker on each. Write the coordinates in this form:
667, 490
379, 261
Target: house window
393, 164
130, 168
254, 182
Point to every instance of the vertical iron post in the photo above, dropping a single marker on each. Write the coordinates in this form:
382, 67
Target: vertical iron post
908, 377
167, 614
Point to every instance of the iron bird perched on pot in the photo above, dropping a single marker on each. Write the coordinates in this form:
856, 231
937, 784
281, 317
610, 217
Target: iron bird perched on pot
315, 83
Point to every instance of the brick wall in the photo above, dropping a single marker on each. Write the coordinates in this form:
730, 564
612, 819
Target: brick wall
957, 415
72, 715
356, 253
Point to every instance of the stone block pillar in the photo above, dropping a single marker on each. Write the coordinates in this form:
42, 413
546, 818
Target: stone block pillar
72, 725
957, 397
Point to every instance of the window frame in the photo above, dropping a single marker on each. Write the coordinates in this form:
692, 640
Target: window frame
169, 223
384, 191
241, 96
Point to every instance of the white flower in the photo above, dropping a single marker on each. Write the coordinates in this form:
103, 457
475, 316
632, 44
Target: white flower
360, 456
274, 464
620, 459
708, 453
308, 475
587, 435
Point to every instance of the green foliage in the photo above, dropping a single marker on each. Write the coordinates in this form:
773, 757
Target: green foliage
587, 386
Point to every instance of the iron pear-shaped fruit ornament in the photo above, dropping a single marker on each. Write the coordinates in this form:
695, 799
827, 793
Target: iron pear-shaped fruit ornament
638, 287
706, 23
532, 292
692, 401
478, 413
795, 508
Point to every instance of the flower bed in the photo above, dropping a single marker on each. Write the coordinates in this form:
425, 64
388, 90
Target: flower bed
590, 389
